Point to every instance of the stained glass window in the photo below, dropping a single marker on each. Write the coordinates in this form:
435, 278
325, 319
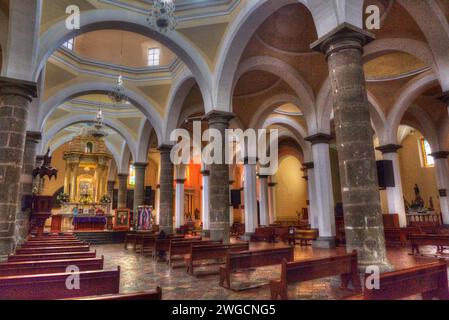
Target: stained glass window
132, 176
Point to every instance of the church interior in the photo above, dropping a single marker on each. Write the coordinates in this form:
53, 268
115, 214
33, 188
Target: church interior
91, 92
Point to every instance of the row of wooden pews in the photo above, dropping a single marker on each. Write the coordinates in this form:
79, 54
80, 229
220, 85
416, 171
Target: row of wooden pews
53, 267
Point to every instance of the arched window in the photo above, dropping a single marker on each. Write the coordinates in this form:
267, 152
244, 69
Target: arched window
428, 161
89, 147
132, 176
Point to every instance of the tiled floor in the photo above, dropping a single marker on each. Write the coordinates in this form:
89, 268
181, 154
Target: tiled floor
142, 273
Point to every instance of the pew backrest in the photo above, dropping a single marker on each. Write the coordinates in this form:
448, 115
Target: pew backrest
430, 280
136, 296
53, 286
52, 256
216, 251
258, 258
37, 250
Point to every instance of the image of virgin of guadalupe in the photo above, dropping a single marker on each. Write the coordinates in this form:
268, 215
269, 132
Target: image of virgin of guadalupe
146, 219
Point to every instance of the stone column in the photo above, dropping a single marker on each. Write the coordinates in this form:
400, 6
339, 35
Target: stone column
26, 184
205, 202
361, 201
395, 196
250, 191
272, 200
263, 200
308, 168
139, 187
218, 181
157, 202
441, 168
231, 207
122, 191
325, 216
15, 97
166, 191
179, 205
111, 185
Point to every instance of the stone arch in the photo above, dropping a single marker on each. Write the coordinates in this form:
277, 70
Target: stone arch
326, 14
143, 142
125, 159
427, 127
115, 125
413, 89
81, 89
179, 92
287, 73
101, 19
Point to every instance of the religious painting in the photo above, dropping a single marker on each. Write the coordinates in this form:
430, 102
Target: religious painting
121, 221
144, 218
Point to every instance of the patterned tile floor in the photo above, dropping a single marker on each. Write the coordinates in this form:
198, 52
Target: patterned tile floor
140, 273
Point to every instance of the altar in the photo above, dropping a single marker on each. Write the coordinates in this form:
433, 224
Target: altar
79, 217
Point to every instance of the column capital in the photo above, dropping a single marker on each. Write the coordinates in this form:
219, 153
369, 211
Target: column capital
389, 148
180, 181
263, 176
445, 97
319, 138
344, 36
140, 165
16, 87
123, 175
33, 136
253, 160
205, 173
165, 148
307, 166
440, 155
217, 116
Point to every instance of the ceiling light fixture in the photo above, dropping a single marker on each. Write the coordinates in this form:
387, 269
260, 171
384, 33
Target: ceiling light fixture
162, 16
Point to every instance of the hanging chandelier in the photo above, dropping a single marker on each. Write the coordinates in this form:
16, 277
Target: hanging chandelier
117, 94
162, 16
99, 132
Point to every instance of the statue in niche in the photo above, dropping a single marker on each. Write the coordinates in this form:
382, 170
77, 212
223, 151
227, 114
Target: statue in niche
418, 203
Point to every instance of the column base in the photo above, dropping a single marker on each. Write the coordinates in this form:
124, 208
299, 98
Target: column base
217, 235
205, 233
324, 243
247, 236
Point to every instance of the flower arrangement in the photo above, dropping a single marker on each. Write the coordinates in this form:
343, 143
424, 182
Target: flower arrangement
105, 200
63, 198
86, 199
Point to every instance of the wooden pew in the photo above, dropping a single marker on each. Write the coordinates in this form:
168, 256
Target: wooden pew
281, 233
429, 280
47, 238
299, 271
39, 250
178, 248
35, 244
438, 240
212, 252
264, 234
52, 256
53, 286
399, 236
51, 266
162, 245
136, 296
304, 236
253, 259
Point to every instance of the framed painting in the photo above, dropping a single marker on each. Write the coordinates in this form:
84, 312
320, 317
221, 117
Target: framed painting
121, 219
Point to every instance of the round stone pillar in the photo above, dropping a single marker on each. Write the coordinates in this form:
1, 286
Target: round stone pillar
250, 191
139, 187
218, 182
395, 196
179, 206
308, 168
15, 97
26, 184
272, 200
205, 202
442, 172
122, 191
263, 199
166, 191
343, 48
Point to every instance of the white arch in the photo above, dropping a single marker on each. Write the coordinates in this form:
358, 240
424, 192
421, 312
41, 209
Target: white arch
86, 118
287, 73
80, 89
143, 142
428, 128
413, 89
100, 19
125, 159
178, 94
327, 14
